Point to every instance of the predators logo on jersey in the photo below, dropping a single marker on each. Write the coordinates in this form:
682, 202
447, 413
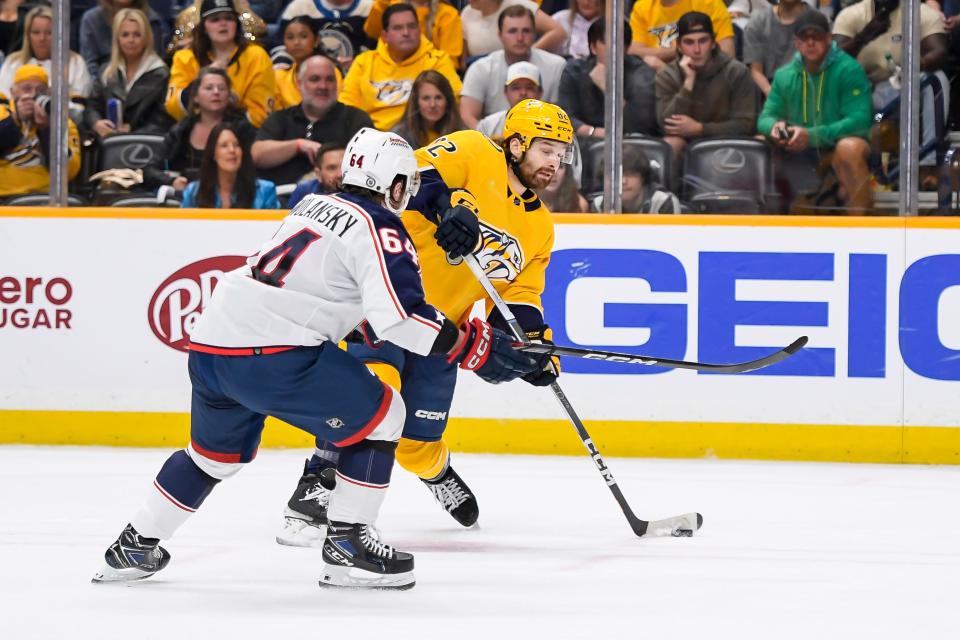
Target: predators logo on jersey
393, 92
500, 254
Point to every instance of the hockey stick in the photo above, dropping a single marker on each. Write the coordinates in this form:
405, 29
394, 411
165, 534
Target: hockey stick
677, 526
627, 358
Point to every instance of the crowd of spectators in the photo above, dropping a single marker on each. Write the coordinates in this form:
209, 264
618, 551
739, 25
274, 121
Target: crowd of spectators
253, 98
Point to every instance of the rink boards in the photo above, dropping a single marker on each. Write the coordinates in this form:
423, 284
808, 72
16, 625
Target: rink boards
96, 310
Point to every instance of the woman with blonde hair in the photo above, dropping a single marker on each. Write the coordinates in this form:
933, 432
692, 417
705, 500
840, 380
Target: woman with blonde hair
37, 49
439, 23
96, 31
136, 78
431, 111
218, 41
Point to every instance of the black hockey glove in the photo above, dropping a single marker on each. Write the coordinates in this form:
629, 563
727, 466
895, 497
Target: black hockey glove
458, 232
364, 334
489, 353
548, 367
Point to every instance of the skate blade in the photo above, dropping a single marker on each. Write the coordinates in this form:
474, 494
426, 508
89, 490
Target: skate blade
337, 577
108, 574
299, 533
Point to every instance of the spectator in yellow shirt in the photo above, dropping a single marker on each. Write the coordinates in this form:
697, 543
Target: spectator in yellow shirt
439, 22
654, 24
220, 43
25, 135
379, 82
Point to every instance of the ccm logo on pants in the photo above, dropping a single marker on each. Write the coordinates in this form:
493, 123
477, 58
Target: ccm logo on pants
430, 415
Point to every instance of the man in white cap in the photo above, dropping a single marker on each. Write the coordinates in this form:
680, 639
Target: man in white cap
523, 82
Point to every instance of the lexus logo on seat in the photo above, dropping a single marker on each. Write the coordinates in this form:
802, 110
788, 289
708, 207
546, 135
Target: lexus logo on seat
728, 160
136, 156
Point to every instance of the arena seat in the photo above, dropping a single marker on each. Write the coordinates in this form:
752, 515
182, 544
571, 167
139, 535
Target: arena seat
145, 201
129, 151
42, 200
727, 175
657, 151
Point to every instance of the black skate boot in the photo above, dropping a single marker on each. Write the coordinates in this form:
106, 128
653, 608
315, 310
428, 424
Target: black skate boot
455, 496
132, 557
354, 557
305, 518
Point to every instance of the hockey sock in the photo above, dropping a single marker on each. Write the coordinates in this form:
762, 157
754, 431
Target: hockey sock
363, 475
325, 455
179, 490
427, 460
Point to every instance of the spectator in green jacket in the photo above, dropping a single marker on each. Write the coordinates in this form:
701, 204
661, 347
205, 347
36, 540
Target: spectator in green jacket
819, 109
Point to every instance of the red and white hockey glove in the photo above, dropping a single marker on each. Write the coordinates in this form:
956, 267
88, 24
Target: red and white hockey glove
489, 353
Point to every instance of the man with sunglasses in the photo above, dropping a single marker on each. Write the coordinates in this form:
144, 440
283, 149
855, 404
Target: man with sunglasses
819, 110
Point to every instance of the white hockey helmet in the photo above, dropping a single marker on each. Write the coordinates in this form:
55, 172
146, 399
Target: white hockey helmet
373, 160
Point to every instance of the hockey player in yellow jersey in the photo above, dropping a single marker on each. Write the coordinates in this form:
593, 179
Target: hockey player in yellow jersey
461, 172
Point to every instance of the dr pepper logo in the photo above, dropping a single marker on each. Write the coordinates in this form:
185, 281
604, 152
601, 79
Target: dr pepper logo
177, 303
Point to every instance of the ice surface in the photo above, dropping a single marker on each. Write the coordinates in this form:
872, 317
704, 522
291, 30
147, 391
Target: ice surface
787, 550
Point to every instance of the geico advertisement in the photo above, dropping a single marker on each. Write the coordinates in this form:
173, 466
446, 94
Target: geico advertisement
97, 317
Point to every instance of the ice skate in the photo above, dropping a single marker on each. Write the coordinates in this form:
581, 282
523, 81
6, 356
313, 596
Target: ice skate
355, 558
132, 557
455, 497
305, 517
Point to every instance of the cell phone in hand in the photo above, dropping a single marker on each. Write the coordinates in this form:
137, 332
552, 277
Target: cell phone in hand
782, 133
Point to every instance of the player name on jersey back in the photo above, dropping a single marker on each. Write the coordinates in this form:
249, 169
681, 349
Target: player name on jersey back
327, 213
324, 271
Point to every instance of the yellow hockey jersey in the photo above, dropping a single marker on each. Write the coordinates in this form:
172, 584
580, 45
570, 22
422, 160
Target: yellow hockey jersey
381, 87
516, 229
251, 78
23, 162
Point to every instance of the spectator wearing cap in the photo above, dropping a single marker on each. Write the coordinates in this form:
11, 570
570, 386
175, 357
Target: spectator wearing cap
484, 81
768, 39
439, 23
655, 25
870, 30
819, 111
219, 42
583, 86
37, 50
25, 135
379, 82
704, 93
327, 174
431, 111
523, 82
288, 142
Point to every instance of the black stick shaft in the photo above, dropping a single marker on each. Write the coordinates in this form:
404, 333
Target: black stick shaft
639, 526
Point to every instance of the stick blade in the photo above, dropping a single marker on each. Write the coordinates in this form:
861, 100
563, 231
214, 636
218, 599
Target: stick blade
676, 527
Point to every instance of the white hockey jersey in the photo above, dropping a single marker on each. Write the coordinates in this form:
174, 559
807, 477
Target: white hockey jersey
335, 261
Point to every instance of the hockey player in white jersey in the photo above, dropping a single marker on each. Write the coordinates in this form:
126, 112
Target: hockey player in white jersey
267, 345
